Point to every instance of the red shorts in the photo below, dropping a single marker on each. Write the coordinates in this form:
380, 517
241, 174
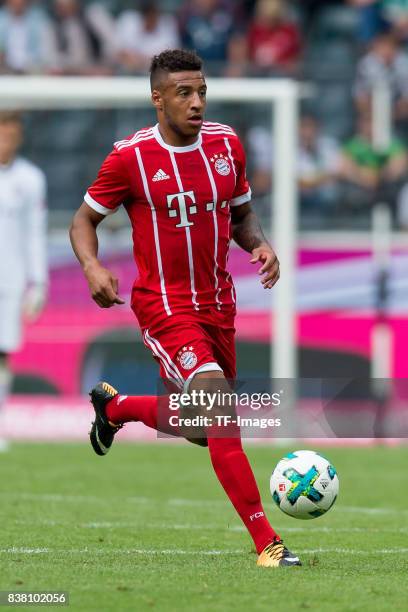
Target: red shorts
186, 344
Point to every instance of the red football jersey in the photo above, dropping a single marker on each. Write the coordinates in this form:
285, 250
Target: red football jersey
178, 200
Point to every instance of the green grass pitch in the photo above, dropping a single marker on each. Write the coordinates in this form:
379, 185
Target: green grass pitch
148, 528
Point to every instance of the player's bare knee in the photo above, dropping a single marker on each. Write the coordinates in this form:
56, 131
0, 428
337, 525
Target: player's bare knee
216, 395
209, 381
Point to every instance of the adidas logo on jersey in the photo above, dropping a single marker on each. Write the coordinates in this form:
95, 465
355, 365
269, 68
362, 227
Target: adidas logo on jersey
160, 176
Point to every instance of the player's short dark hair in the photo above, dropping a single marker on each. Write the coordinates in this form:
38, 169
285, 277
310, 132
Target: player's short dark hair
146, 7
173, 60
7, 116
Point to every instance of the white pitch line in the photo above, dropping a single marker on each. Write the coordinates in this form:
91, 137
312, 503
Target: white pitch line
362, 510
25, 551
175, 501
126, 525
123, 551
56, 497
203, 527
181, 527
177, 551
311, 529
350, 551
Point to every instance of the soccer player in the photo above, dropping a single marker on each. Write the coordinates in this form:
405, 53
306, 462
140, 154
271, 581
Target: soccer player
183, 184
23, 267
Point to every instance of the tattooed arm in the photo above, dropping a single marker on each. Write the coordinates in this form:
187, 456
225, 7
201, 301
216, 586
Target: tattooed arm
248, 234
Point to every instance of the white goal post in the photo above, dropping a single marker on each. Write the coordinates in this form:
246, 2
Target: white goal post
52, 93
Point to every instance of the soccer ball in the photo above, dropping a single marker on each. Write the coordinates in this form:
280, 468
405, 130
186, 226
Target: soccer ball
304, 484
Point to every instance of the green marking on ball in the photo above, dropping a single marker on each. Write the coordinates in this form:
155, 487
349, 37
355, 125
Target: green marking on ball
303, 485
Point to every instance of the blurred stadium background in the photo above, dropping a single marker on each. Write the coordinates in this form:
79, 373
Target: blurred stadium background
351, 155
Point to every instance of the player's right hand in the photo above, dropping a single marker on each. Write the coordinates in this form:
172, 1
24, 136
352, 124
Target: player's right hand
103, 286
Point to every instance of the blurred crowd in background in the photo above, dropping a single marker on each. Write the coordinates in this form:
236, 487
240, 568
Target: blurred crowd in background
341, 47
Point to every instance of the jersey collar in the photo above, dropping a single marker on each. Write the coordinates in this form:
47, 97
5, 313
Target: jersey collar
186, 149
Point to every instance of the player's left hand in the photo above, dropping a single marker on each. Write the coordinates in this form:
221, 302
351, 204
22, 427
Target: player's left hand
34, 301
270, 267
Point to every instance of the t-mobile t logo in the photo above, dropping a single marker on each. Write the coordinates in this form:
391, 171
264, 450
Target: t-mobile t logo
184, 207
256, 515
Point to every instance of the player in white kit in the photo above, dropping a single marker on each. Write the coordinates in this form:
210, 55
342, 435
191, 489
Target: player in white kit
23, 267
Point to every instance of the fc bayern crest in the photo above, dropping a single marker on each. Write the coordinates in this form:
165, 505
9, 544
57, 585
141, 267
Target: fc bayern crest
187, 358
221, 164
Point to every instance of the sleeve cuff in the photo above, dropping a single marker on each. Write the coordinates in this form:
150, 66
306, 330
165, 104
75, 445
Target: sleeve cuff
103, 210
242, 199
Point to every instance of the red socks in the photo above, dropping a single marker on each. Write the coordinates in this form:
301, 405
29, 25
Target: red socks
144, 408
227, 456
125, 408
234, 472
